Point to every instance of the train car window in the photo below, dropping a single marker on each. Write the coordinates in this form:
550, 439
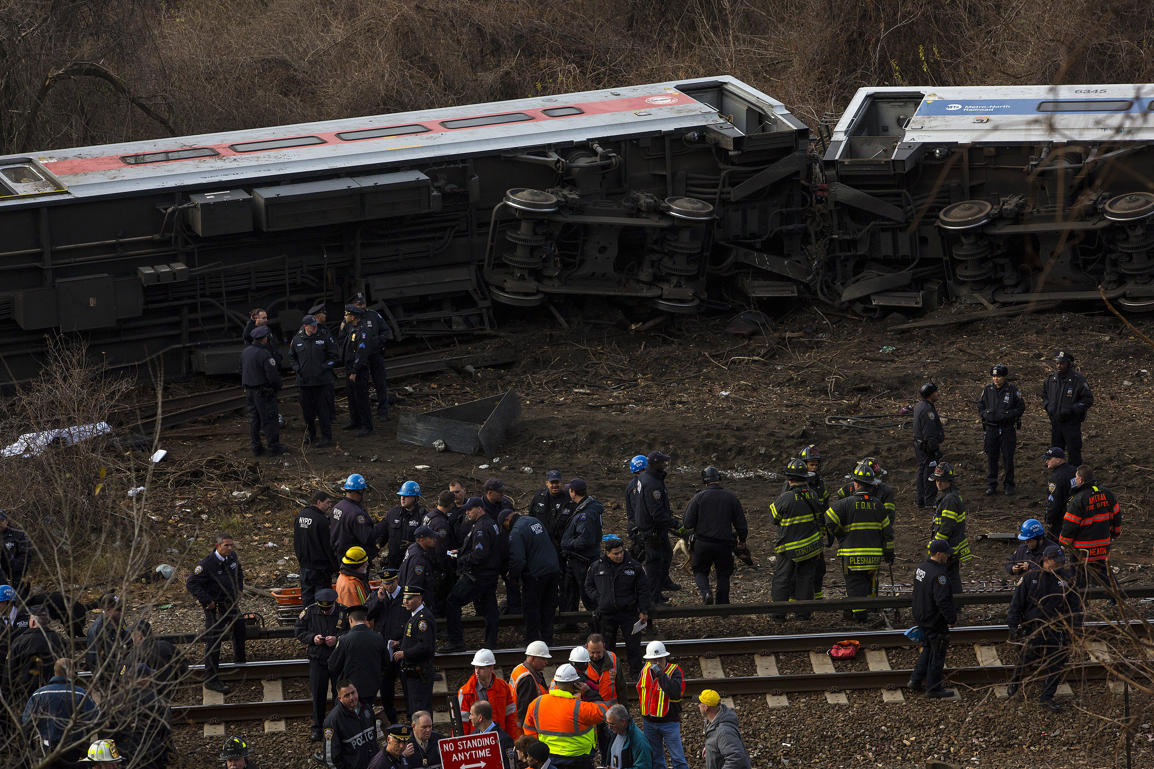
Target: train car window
21, 174
380, 133
1086, 105
160, 157
26, 179
276, 144
562, 111
477, 122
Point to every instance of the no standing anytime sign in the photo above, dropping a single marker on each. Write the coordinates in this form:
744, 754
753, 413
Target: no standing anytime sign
473, 751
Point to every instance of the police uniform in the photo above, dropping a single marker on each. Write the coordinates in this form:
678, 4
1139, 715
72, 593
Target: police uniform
427, 755
1001, 410
350, 737
313, 621
477, 565
444, 567
359, 344
313, 358
580, 546
1061, 488
419, 643
30, 660
14, 556
553, 510
350, 525
375, 325
312, 544
1066, 398
714, 514
402, 522
1046, 605
417, 568
388, 616
620, 592
654, 521
865, 537
534, 563
928, 437
934, 612
219, 581
261, 380
357, 657
800, 519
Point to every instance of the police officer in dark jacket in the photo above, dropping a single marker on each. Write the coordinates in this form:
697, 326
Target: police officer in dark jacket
313, 355
478, 561
262, 381
350, 524
376, 326
619, 589
217, 583
654, 522
414, 656
552, 506
402, 521
1046, 608
714, 515
357, 346
1001, 408
1061, 488
444, 568
312, 543
31, 656
417, 567
934, 613
350, 731
928, 437
15, 549
1066, 397
533, 563
386, 610
495, 503
580, 544
1028, 554
357, 656
318, 628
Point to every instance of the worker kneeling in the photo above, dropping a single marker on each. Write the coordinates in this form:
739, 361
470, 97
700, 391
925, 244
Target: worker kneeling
564, 722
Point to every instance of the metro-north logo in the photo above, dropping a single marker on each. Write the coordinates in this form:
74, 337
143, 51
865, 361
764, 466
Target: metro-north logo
953, 107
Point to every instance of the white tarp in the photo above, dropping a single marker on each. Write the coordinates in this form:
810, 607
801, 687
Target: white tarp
34, 444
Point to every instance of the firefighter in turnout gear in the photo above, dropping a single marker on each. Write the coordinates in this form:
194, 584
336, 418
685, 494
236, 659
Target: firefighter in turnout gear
1092, 522
882, 491
865, 537
1001, 407
950, 522
714, 515
812, 458
800, 519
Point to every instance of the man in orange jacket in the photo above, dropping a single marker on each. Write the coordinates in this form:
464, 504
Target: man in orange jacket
528, 678
485, 685
565, 722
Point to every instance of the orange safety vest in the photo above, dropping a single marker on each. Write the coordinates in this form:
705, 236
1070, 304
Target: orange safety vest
351, 591
654, 701
499, 695
606, 680
565, 722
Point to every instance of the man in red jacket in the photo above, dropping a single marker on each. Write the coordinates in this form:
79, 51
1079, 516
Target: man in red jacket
485, 685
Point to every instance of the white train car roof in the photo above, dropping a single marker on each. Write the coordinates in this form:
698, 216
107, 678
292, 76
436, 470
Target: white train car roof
1014, 114
230, 157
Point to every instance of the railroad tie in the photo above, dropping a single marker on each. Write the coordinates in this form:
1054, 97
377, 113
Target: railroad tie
877, 660
988, 658
273, 692
209, 697
441, 689
766, 668
1100, 653
711, 668
823, 665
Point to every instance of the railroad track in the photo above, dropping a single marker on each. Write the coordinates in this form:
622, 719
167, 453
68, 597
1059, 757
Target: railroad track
823, 676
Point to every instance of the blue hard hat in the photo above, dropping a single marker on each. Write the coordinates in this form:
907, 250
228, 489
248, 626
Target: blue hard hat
638, 463
355, 482
410, 489
7, 593
1031, 527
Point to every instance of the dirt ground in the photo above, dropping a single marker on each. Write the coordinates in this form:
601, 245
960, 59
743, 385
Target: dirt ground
594, 396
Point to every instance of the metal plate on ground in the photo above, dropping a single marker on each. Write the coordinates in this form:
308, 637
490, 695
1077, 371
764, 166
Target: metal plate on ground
476, 427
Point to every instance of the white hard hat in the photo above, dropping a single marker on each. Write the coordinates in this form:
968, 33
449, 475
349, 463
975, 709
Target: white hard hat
103, 750
538, 649
655, 650
566, 674
483, 658
579, 654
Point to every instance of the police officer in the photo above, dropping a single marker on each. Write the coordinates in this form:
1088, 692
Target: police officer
1061, 486
350, 525
865, 537
261, 380
392, 756
357, 348
714, 515
417, 567
495, 504
478, 560
1028, 554
1000, 408
444, 568
552, 506
636, 465
950, 522
350, 731
533, 562
15, 549
1092, 522
312, 542
217, 583
928, 437
403, 520
1066, 397
1046, 608
414, 657
580, 544
619, 589
935, 614
376, 326
386, 610
313, 355
317, 627
357, 656
654, 521
800, 519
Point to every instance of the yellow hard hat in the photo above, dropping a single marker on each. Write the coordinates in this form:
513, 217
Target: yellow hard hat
355, 556
103, 750
709, 698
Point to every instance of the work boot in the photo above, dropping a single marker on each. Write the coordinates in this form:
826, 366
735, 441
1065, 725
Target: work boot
916, 685
216, 685
1008, 489
707, 599
258, 451
670, 585
322, 443
1050, 704
276, 451
1012, 689
991, 491
941, 693
315, 734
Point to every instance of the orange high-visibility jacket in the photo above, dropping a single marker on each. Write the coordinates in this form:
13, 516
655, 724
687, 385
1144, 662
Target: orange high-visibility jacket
565, 722
499, 695
606, 680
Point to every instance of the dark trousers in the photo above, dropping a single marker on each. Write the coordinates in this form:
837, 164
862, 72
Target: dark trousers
573, 584
217, 622
539, 606
999, 444
377, 367
954, 570
513, 603
389, 688
658, 557
1088, 574
793, 581
819, 576
262, 417
623, 622
571, 762
315, 409
1068, 436
859, 583
360, 414
717, 556
932, 660
323, 686
925, 491
313, 580
483, 595
418, 691
1050, 649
